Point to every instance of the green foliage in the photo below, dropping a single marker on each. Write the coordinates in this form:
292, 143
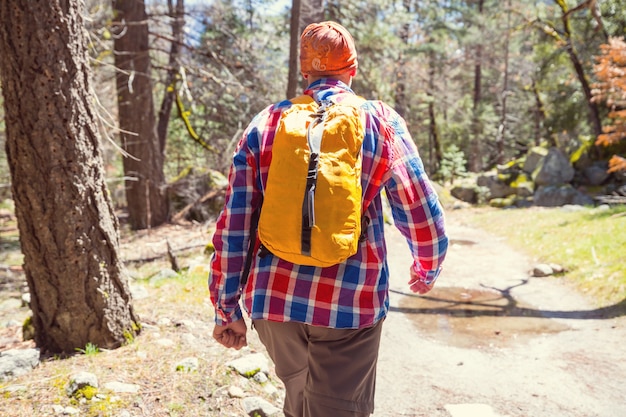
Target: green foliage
239, 69
586, 143
453, 164
90, 349
28, 329
87, 392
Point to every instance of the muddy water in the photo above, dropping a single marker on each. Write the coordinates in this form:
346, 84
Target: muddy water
476, 318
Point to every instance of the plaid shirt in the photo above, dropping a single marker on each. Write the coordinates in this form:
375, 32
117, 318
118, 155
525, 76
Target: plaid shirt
354, 293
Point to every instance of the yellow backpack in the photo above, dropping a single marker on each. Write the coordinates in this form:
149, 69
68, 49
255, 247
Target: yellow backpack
311, 212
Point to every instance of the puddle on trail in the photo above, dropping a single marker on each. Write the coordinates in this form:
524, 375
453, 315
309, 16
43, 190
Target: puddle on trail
471, 318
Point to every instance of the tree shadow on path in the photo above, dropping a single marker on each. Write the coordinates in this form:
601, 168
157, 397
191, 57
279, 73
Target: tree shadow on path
493, 302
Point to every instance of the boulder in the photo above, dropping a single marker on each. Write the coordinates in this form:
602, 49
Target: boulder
553, 169
561, 195
465, 192
596, 174
523, 186
533, 158
497, 188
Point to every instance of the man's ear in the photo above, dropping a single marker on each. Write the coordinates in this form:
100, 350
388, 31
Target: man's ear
353, 73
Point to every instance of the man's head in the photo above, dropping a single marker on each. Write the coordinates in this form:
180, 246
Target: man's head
327, 49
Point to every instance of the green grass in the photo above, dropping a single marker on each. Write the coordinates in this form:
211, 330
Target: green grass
590, 243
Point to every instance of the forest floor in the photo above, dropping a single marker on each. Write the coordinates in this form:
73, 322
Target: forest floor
489, 340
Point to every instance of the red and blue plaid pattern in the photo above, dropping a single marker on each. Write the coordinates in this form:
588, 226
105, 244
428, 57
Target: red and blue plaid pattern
353, 294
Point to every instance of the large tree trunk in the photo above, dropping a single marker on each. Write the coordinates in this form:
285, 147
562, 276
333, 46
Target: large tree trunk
475, 162
143, 168
501, 135
436, 148
68, 230
302, 15
294, 37
401, 102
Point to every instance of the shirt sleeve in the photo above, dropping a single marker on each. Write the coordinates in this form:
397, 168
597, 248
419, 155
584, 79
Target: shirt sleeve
232, 229
415, 206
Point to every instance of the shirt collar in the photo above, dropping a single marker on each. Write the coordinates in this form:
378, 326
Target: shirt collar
327, 86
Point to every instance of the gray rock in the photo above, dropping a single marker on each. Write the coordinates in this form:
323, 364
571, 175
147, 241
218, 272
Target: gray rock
236, 392
81, 380
554, 169
261, 407
26, 299
188, 365
542, 270
533, 158
71, 411
139, 292
260, 377
10, 304
250, 365
465, 193
558, 196
16, 362
524, 189
596, 174
496, 187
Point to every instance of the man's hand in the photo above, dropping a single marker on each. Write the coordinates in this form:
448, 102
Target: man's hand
417, 284
421, 287
233, 335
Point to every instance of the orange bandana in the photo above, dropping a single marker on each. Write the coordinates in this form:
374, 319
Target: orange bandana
327, 48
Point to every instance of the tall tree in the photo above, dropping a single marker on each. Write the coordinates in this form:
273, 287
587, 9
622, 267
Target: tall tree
475, 156
567, 39
500, 137
302, 15
143, 167
401, 64
294, 36
68, 230
177, 16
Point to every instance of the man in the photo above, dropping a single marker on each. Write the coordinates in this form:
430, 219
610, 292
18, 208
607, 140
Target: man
322, 325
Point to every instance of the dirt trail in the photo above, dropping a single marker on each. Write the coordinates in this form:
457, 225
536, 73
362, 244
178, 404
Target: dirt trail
494, 337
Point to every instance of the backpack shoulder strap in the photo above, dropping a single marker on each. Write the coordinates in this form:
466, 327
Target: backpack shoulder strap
302, 99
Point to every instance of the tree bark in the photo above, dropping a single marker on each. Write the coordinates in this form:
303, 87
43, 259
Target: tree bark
401, 104
68, 229
302, 15
594, 114
178, 22
436, 154
539, 116
501, 135
475, 162
145, 184
294, 37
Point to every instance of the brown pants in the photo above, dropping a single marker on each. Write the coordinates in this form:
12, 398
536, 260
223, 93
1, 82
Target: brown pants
326, 372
